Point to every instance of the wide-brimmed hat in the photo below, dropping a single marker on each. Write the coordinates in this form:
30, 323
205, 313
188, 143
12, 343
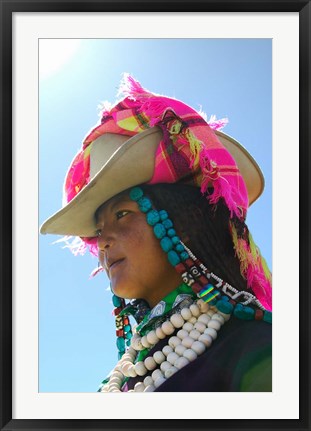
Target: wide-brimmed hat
118, 162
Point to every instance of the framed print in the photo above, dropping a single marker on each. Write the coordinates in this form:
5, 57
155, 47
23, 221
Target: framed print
245, 69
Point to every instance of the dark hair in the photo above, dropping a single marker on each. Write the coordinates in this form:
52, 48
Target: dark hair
203, 227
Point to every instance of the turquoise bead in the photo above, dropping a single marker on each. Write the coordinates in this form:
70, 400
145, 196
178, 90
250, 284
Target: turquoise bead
225, 298
128, 342
175, 240
163, 214
127, 328
243, 312
116, 301
224, 306
120, 343
144, 204
171, 232
159, 230
152, 217
267, 316
120, 354
136, 193
166, 244
179, 248
173, 257
184, 255
167, 223
128, 335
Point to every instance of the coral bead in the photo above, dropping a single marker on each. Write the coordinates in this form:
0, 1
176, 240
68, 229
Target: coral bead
159, 357
167, 328
198, 347
177, 320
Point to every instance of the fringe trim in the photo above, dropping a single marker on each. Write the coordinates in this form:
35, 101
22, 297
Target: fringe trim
79, 246
253, 266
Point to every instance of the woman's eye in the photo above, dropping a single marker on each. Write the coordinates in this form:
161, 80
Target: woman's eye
120, 214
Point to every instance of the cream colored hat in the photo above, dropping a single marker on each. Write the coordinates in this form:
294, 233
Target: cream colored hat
118, 162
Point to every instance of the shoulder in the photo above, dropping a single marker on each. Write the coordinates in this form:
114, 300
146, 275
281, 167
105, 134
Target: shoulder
240, 359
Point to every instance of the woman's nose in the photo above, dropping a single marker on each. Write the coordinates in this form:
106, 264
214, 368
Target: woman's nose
104, 240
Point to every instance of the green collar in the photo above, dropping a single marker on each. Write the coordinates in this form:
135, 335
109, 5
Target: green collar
152, 317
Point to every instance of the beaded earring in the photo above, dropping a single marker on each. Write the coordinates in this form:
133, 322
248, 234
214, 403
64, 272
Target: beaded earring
123, 326
207, 286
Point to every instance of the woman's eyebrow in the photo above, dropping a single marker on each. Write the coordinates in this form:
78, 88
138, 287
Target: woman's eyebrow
111, 207
120, 200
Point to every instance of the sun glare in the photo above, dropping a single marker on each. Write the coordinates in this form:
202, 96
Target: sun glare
54, 54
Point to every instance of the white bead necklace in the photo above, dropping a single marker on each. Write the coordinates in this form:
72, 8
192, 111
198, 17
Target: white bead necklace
198, 326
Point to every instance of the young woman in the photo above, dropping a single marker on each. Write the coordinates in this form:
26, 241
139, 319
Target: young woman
161, 197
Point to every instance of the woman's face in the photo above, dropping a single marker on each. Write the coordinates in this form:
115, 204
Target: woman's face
130, 253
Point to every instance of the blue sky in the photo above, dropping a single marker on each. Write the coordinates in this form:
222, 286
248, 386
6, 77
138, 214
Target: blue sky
226, 77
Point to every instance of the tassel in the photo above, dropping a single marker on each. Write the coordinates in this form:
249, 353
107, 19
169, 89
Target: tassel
195, 148
253, 266
217, 124
96, 271
131, 88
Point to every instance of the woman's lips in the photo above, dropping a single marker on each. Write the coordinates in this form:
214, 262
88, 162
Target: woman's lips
116, 264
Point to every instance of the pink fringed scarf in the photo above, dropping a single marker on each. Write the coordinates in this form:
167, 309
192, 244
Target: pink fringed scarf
189, 152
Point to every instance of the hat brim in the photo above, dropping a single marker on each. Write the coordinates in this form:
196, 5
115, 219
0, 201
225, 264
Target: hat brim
130, 165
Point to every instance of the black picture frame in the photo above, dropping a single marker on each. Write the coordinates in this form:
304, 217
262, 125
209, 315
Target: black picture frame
7, 9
